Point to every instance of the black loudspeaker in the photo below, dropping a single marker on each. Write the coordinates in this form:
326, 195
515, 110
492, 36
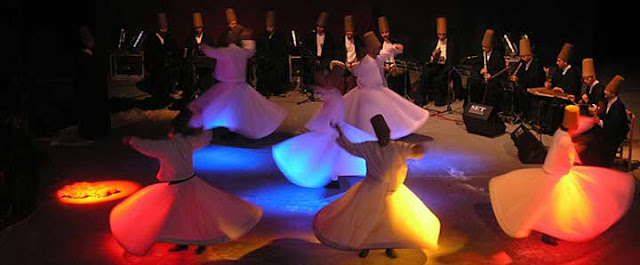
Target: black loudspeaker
530, 150
481, 119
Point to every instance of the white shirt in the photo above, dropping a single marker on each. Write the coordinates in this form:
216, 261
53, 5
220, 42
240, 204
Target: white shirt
526, 66
442, 45
370, 71
319, 44
231, 63
199, 38
160, 38
387, 45
351, 49
564, 71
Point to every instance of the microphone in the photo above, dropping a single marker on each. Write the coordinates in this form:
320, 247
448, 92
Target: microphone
471, 57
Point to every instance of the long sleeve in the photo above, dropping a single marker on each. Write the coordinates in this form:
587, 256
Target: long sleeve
354, 149
250, 46
152, 148
200, 140
210, 51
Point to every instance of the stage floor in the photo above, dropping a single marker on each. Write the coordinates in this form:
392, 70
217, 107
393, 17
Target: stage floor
451, 180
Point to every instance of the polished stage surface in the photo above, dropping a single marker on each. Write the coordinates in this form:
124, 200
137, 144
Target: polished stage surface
451, 180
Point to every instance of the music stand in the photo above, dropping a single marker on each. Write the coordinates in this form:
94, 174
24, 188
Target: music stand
307, 56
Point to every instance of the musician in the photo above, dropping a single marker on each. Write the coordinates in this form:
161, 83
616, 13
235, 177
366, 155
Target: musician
527, 74
594, 90
394, 75
565, 78
272, 70
160, 56
598, 146
322, 45
91, 93
439, 66
491, 62
349, 50
196, 61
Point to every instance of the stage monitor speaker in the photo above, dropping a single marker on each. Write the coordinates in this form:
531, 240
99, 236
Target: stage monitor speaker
481, 119
530, 150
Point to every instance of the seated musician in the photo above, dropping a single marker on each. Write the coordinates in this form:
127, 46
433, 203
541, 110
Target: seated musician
440, 62
350, 49
598, 146
528, 74
192, 55
395, 75
594, 90
565, 78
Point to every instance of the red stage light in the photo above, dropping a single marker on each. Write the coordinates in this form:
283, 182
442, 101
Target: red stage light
96, 192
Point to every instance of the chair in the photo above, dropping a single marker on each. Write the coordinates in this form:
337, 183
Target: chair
628, 142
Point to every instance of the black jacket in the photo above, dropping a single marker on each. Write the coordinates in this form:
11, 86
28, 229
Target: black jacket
533, 77
341, 49
569, 82
328, 48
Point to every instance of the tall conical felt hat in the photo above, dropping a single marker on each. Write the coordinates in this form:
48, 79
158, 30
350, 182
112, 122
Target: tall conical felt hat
380, 126
235, 34
335, 77
231, 15
525, 47
197, 20
441, 25
614, 84
571, 117
383, 24
348, 23
371, 40
588, 68
163, 22
565, 53
322, 19
271, 19
487, 40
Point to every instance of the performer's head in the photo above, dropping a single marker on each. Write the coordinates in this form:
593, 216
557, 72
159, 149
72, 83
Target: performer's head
163, 22
86, 38
198, 22
322, 22
270, 24
588, 71
234, 35
441, 28
571, 118
372, 44
348, 27
611, 91
564, 56
232, 19
383, 27
487, 40
180, 124
382, 129
525, 50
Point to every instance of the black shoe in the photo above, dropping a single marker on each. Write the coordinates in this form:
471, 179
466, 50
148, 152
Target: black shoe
391, 253
363, 253
549, 240
334, 184
179, 247
200, 250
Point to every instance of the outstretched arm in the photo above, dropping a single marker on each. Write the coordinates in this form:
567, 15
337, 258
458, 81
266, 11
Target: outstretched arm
343, 141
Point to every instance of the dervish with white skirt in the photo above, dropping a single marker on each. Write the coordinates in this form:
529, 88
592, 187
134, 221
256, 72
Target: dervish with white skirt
182, 209
371, 96
232, 103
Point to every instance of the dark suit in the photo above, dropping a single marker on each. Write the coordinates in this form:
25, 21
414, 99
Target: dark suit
570, 82
602, 142
532, 77
159, 60
197, 66
273, 64
317, 63
436, 75
91, 97
493, 87
341, 48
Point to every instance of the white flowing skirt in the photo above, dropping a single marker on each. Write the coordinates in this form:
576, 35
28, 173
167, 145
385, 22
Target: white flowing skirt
577, 206
402, 116
369, 217
238, 107
312, 159
191, 212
